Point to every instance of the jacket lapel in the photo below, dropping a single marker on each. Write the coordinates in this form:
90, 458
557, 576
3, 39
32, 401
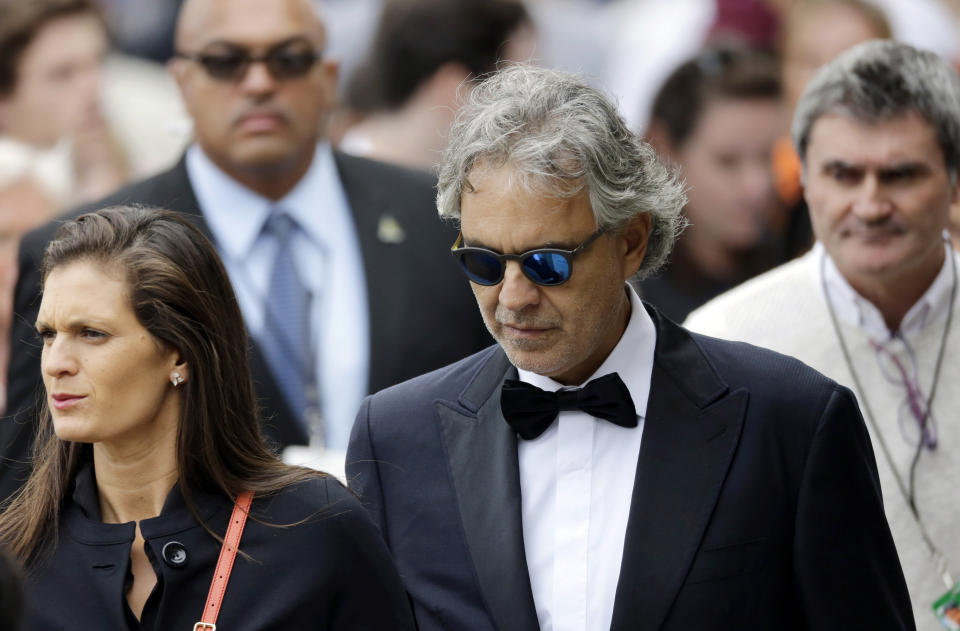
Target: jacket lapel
690, 434
386, 293
481, 451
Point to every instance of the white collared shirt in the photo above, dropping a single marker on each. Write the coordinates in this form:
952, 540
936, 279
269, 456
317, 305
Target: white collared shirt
327, 252
576, 482
856, 310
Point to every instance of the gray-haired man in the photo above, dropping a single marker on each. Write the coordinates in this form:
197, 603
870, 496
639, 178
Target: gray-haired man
602, 468
872, 305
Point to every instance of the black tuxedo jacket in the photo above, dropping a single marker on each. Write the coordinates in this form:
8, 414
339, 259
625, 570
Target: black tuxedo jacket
756, 502
422, 314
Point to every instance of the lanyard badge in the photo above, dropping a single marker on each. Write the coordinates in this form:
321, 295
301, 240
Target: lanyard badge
947, 608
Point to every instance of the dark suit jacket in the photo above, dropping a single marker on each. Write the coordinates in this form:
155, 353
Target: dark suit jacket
422, 314
756, 503
330, 570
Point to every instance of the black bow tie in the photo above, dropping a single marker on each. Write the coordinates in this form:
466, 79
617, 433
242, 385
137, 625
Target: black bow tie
530, 410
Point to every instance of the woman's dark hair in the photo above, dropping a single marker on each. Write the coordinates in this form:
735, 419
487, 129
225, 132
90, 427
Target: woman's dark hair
180, 292
414, 38
21, 21
719, 71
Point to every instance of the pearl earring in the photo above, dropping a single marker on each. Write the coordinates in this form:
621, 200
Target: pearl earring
176, 379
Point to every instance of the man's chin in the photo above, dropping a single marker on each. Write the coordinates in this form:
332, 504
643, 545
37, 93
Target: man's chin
256, 154
876, 263
542, 361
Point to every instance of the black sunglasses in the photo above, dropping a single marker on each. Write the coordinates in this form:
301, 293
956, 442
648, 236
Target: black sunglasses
544, 266
282, 62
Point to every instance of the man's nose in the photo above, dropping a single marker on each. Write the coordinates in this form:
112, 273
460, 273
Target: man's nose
257, 79
517, 291
871, 202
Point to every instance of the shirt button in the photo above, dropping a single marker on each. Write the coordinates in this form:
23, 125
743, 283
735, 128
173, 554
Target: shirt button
175, 554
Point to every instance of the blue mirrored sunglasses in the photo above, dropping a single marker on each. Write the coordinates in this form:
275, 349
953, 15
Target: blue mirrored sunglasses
543, 266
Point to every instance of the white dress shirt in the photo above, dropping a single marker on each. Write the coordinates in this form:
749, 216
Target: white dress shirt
576, 482
856, 310
327, 252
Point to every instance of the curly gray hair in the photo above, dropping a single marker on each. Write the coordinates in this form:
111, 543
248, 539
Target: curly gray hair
879, 80
561, 136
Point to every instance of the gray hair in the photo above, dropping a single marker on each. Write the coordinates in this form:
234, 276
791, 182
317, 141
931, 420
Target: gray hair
561, 136
879, 80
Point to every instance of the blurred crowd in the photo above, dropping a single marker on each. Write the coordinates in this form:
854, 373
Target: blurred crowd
87, 106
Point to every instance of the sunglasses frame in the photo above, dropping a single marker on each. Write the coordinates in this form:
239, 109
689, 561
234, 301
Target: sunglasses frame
247, 60
458, 250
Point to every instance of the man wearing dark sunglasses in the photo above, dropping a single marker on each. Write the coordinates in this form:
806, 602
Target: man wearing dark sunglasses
340, 268
601, 467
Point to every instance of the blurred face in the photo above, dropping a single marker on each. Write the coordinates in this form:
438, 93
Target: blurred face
255, 121
816, 39
566, 331
58, 82
879, 196
727, 165
107, 378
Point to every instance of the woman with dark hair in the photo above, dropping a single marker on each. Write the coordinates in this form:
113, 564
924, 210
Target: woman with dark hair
151, 444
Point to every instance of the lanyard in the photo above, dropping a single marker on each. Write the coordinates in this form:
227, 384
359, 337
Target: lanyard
906, 489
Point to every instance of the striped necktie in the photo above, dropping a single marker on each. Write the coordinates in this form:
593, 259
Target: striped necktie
286, 331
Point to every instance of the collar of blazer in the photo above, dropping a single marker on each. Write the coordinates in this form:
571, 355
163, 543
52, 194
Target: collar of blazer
84, 524
691, 432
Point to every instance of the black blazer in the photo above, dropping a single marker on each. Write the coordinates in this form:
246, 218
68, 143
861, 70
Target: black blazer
422, 313
756, 503
331, 572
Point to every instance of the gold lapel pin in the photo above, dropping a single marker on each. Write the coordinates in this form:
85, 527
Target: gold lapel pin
389, 230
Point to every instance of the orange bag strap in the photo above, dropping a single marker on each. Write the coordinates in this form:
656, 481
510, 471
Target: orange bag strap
228, 552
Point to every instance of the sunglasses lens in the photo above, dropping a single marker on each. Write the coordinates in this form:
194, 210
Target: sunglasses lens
229, 66
481, 268
547, 268
289, 65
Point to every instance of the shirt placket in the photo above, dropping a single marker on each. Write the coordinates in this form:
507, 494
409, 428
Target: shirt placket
571, 535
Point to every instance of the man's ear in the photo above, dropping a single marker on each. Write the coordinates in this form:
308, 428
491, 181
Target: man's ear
176, 68
635, 235
330, 73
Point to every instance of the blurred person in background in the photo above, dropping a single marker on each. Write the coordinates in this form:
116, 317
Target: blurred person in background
812, 33
341, 271
54, 133
424, 54
55, 147
873, 304
149, 434
718, 117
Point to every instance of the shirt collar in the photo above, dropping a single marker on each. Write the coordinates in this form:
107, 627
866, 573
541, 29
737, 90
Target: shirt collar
631, 358
856, 310
236, 214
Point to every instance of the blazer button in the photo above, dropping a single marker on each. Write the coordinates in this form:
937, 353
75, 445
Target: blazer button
175, 554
